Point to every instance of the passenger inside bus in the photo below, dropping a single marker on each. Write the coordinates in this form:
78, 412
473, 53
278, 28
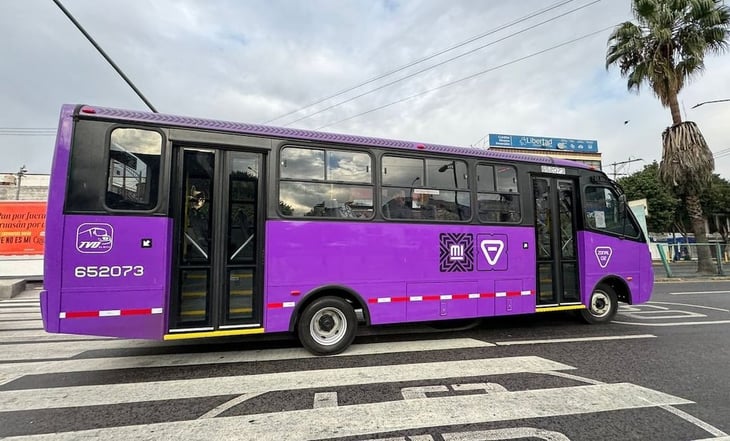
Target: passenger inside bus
396, 207
198, 221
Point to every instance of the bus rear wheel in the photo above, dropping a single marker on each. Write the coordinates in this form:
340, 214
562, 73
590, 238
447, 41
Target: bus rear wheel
602, 305
327, 326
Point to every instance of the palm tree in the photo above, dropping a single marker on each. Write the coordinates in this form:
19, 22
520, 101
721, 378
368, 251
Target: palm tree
665, 49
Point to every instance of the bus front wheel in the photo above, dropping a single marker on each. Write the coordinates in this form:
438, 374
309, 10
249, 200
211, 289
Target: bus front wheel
327, 326
602, 305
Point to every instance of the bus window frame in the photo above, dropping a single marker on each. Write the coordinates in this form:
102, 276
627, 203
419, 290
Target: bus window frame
353, 184
628, 215
516, 195
421, 185
163, 178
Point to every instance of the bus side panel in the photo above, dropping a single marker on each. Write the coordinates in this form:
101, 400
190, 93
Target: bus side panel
603, 255
403, 271
50, 296
115, 276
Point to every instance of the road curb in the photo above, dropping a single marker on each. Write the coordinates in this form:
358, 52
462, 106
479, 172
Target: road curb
10, 288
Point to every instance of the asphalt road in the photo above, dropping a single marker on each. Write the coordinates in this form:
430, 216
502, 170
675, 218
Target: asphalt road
660, 371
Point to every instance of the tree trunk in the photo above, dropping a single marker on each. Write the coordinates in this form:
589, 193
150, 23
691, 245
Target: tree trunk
674, 108
704, 255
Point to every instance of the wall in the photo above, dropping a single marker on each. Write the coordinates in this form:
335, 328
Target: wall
32, 187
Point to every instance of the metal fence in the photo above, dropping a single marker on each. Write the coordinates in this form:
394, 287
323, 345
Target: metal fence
680, 260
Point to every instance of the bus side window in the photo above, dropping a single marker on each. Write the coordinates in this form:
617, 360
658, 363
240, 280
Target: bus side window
133, 169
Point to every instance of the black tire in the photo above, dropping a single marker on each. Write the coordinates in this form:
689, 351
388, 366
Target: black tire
327, 326
602, 306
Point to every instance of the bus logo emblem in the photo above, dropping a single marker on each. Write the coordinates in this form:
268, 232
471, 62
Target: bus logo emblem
492, 250
456, 252
94, 238
603, 254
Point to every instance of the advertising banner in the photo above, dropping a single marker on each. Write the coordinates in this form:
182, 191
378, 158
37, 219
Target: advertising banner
543, 143
22, 227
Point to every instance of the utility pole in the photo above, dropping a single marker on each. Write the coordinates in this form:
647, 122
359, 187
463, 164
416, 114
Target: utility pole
21, 173
103, 54
615, 164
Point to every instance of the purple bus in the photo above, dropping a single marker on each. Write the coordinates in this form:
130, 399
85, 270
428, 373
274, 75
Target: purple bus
167, 227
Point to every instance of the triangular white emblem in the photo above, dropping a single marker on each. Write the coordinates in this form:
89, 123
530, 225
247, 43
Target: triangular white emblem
492, 250
603, 254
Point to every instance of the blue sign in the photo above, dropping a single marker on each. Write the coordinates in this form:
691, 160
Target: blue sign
540, 142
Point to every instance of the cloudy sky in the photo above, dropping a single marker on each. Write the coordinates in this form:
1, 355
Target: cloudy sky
447, 72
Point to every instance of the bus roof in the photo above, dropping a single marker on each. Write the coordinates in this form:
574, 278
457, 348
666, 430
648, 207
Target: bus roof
309, 135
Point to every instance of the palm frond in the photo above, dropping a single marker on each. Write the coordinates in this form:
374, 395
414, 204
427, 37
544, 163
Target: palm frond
667, 45
687, 161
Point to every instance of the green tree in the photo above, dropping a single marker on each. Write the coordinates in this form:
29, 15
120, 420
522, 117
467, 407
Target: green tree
715, 200
661, 201
665, 49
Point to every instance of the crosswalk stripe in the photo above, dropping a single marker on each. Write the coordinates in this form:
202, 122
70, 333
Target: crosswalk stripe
76, 396
187, 359
16, 310
64, 349
24, 316
311, 424
16, 325
24, 337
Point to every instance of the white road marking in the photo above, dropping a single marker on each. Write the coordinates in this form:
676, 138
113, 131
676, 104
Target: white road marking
698, 292
692, 306
24, 316
573, 339
715, 322
670, 314
373, 418
505, 434
98, 395
66, 349
410, 438
486, 387
684, 415
17, 325
20, 352
325, 399
419, 392
15, 310
696, 421
227, 405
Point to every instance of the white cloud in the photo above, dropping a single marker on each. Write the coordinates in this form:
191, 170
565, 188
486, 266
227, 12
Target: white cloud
256, 60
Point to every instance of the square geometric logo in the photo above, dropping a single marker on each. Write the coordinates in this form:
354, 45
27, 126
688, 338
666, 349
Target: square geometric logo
456, 252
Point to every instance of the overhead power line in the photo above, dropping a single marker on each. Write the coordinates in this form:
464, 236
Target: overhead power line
429, 57
710, 102
27, 131
451, 83
527, 29
721, 154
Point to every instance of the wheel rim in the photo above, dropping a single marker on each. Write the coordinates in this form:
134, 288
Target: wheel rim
328, 326
600, 304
